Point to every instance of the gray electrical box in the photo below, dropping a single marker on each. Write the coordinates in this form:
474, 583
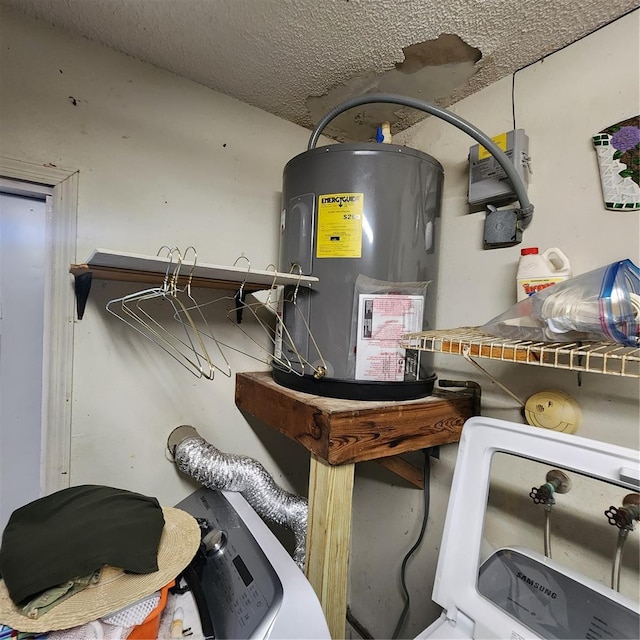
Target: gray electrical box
488, 183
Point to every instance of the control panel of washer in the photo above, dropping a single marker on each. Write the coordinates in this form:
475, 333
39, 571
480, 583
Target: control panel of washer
241, 592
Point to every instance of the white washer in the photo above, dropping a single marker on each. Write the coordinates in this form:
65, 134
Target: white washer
516, 593
243, 583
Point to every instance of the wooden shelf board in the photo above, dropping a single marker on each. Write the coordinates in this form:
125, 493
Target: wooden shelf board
131, 267
146, 277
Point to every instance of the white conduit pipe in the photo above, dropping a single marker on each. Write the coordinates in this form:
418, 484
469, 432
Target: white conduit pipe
229, 472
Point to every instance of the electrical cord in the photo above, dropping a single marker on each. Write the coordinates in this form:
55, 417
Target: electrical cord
423, 528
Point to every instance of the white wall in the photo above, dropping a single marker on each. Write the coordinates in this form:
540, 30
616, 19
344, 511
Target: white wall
560, 102
162, 160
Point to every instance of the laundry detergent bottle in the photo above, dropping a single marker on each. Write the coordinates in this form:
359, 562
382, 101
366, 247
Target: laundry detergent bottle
537, 271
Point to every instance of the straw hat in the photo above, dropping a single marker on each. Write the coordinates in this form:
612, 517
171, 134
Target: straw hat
116, 589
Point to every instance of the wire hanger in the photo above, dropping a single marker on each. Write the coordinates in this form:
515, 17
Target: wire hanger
235, 315
180, 345
192, 305
287, 342
237, 306
129, 310
194, 341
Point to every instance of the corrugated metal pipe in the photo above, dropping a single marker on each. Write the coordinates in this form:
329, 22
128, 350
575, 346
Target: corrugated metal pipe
229, 472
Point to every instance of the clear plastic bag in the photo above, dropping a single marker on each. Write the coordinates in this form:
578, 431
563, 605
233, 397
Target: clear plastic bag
603, 304
382, 312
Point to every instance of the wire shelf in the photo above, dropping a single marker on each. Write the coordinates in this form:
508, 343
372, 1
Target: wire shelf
593, 357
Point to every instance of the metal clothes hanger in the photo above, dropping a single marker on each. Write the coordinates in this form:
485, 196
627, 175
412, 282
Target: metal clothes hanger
275, 333
318, 370
236, 304
129, 310
271, 328
167, 293
180, 345
204, 329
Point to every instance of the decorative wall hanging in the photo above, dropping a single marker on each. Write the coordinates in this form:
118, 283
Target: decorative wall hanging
618, 149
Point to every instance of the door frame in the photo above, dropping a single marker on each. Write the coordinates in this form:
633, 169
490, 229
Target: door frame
59, 305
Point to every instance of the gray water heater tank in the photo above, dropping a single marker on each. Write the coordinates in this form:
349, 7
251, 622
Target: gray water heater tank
362, 218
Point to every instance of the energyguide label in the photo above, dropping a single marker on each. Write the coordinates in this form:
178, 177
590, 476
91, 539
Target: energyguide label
340, 225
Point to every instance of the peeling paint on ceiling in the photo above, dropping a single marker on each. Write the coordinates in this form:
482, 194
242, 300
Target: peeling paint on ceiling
297, 58
445, 49
429, 71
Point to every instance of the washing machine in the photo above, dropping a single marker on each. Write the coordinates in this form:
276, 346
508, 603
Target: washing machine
242, 583
498, 578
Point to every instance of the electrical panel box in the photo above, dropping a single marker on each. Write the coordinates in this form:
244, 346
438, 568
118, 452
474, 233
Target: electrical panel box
488, 183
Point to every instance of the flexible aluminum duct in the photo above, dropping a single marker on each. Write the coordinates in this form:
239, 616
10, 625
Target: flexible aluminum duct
229, 472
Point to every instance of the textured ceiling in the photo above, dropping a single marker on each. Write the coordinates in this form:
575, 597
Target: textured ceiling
297, 58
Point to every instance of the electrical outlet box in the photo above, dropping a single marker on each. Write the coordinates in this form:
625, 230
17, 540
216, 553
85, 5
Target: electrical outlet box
501, 228
488, 183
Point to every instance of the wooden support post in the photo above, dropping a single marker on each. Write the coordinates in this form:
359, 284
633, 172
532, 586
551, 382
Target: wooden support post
329, 539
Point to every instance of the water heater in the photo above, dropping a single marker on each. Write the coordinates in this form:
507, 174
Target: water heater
362, 218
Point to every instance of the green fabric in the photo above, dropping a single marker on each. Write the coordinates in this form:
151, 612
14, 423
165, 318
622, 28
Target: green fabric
74, 532
48, 599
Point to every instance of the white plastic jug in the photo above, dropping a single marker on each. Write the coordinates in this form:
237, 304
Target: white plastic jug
537, 271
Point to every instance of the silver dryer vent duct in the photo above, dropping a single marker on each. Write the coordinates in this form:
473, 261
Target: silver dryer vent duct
229, 472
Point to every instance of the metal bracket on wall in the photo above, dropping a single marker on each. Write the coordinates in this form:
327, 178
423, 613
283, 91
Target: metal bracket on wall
466, 384
468, 358
82, 285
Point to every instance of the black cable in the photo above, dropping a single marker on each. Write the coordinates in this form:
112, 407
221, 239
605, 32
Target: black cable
513, 97
423, 528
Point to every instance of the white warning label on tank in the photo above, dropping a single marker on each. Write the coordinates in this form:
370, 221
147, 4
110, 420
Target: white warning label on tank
382, 320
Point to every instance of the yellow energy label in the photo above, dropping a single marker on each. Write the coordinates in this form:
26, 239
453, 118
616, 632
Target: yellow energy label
340, 225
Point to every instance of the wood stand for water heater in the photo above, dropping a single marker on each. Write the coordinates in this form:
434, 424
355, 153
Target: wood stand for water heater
339, 433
